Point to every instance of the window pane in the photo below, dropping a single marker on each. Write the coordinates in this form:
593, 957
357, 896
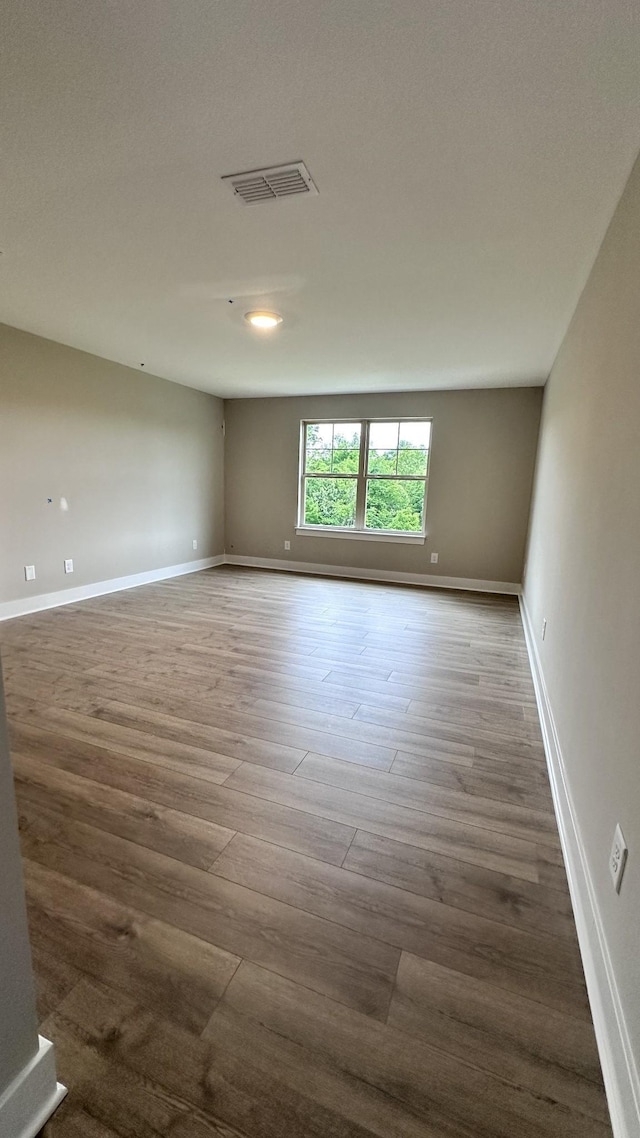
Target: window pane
412, 462
346, 435
330, 501
383, 436
382, 461
346, 461
319, 435
395, 505
319, 461
415, 435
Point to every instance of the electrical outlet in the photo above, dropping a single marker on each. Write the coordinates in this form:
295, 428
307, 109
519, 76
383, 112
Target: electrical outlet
29, 572
287, 545
434, 558
68, 565
544, 628
618, 858
195, 543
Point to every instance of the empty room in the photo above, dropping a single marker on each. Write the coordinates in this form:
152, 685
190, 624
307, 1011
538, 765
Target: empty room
320, 569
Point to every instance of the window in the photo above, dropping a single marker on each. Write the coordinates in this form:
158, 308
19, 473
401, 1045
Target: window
366, 478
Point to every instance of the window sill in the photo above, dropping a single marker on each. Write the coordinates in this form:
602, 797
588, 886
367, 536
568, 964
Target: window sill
361, 535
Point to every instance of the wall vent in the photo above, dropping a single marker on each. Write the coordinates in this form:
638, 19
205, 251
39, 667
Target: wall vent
256, 186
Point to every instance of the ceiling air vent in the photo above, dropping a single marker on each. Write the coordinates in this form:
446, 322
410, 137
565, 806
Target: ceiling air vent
255, 186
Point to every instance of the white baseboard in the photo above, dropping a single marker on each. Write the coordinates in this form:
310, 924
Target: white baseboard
619, 1069
388, 575
26, 605
32, 1097
10, 609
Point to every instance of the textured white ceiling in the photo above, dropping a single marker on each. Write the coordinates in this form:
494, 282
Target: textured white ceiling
468, 153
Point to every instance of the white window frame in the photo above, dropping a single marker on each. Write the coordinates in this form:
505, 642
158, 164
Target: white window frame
359, 531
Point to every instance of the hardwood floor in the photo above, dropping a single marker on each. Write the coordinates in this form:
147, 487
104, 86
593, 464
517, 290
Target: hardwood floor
292, 867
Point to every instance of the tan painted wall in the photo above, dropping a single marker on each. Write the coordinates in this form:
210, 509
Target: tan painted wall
482, 462
583, 574
139, 460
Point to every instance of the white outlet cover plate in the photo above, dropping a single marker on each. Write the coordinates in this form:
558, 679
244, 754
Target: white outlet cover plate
618, 858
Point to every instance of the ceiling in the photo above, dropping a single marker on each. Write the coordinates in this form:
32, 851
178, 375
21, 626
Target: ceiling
468, 154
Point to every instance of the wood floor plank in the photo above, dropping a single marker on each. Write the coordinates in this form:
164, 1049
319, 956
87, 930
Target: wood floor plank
508, 900
422, 716
412, 689
282, 664
389, 654
243, 735
347, 966
410, 738
153, 729
488, 848
487, 813
54, 978
551, 869
485, 781
76, 1122
376, 1071
394, 738
509, 1035
72, 745
309, 694
255, 674
109, 1097
483, 712
130, 1064
520, 961
191, 793
180, 976
136, 743
183, 836
312, 817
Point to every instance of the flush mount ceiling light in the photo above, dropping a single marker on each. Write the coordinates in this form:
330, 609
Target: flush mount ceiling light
264, 321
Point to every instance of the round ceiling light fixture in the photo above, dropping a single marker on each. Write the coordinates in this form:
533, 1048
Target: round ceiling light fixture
264, 321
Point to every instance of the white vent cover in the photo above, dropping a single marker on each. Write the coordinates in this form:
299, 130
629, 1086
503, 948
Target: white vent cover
255, 186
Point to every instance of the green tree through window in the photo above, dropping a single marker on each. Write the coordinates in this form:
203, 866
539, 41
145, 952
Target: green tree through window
368, 475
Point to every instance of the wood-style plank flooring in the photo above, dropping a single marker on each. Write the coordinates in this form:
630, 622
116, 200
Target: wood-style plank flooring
292, 866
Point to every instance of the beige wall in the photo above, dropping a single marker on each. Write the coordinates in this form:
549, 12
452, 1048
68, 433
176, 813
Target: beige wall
479, 489
583, 575
139, 460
